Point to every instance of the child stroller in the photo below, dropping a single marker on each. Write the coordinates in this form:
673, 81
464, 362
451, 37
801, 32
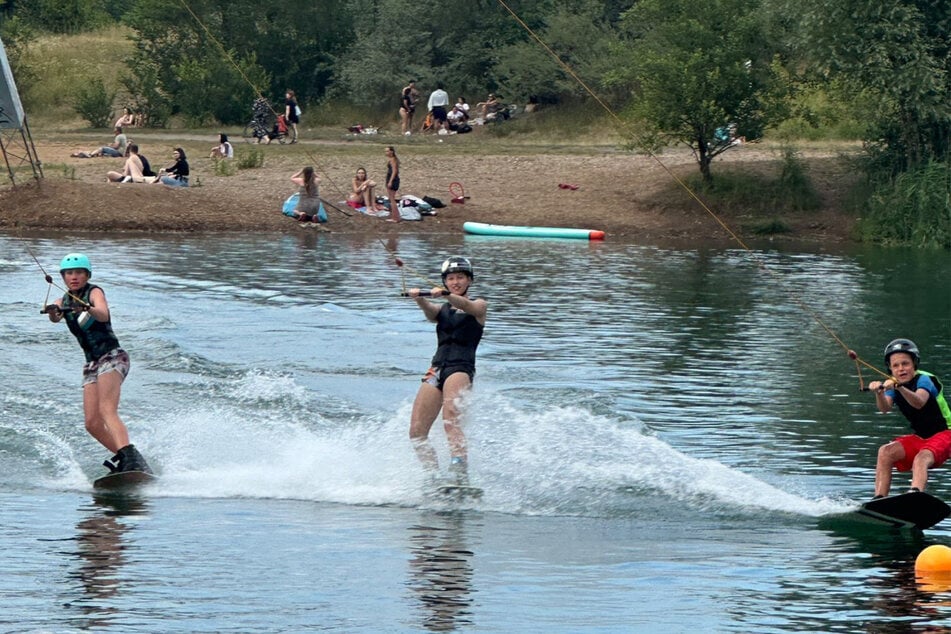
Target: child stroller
278, 130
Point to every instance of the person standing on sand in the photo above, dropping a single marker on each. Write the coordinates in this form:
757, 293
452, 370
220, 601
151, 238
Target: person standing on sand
392, 183
290, 112
438, 102
87, 316
408, 107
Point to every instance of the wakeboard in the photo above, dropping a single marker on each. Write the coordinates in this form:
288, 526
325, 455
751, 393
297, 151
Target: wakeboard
458, 492
915, 510
123, 480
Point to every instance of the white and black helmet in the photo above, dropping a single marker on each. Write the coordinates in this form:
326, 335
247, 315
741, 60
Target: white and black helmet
457, 264
902, 345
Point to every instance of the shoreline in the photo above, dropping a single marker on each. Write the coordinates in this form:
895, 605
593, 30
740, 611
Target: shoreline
630, 197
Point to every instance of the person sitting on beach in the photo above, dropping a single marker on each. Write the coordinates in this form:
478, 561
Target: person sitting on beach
176, 174
457, 115
224, 149
127, 119
115, 149
136, 169
458, 119
308, 205
489, 108
361, 192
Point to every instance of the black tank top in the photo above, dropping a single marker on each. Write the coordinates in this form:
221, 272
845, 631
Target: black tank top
458, 334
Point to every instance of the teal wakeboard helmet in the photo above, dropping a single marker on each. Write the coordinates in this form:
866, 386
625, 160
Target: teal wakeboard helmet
75, 261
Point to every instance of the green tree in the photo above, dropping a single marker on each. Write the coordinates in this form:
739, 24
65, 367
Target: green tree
213, 56
580, 36
472, 52
146, 98
17, 37
93, 102
398, 40
896, 56
63, 16
696, 68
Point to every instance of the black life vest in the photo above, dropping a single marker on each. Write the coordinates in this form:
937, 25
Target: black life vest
95, 337
458, 334
934, 417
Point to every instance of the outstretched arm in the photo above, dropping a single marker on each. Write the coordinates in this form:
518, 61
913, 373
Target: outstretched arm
430, 309
475, 307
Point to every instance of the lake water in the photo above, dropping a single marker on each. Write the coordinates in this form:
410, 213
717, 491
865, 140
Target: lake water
657, 431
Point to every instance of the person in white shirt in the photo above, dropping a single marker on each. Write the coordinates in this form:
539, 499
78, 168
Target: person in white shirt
224, 149
438, 101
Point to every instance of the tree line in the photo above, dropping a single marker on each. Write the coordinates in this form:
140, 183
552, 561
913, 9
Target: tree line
673, 70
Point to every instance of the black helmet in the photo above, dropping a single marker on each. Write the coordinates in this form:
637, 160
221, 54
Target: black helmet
902, 345
457, 264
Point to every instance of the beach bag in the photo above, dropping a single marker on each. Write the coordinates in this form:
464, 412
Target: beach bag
409, 212
408, 200
434, 202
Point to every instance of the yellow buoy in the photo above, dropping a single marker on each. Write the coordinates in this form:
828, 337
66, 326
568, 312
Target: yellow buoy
935, 558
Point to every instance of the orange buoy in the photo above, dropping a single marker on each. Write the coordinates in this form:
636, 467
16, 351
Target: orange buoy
933, 559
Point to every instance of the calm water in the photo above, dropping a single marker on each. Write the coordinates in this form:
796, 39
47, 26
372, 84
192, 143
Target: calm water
657, 431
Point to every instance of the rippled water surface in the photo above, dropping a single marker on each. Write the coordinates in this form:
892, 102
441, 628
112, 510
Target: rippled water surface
657, 431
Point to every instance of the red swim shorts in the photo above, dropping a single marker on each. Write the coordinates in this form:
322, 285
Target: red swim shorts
939, 445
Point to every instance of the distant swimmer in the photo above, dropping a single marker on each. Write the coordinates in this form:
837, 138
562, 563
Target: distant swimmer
919, 396
86, 312
459, 326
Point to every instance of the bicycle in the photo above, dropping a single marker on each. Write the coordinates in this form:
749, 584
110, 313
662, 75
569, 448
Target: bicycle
256, 131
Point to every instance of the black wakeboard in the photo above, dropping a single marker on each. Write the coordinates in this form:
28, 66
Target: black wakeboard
457, 492
915, 510
124, 480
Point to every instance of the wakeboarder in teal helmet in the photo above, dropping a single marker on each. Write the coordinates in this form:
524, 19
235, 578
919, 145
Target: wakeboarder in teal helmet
75, 261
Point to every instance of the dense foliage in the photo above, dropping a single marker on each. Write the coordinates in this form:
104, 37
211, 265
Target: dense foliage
897, 56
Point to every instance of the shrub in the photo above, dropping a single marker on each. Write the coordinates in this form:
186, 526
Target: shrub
225, 167
912, 209
249, 160
769, 228
795, 188
94, 103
